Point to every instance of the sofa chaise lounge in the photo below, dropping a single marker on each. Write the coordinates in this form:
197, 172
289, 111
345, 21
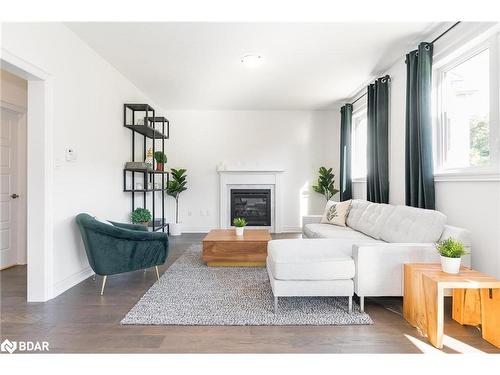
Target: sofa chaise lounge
365, 257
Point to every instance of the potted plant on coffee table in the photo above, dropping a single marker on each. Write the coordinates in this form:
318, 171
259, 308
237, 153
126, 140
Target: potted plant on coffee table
174, 188
141, 216
451, 252
240, 224
161, 160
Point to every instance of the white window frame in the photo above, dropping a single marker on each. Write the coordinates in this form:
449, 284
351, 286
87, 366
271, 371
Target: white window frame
360, 111
492, 171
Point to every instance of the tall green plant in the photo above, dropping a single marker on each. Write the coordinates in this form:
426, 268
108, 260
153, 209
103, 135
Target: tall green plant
176, 186
325, 183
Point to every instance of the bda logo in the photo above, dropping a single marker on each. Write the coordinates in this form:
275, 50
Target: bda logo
8, 346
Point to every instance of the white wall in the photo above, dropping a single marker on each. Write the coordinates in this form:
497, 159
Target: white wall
474, 205
297, 141
88, 97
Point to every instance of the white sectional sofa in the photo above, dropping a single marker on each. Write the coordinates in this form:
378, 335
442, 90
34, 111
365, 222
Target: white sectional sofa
379, 238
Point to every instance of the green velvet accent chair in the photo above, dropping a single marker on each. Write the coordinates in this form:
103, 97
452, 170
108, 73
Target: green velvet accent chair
117, 247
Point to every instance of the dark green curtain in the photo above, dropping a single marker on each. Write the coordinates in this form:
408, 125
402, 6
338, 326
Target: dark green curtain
345, 152
377, 153
419, 164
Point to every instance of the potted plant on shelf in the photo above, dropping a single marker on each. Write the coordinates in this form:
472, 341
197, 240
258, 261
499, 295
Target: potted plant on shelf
325, 183
240, 224
141, 216
174, 188
161, 160
451, 252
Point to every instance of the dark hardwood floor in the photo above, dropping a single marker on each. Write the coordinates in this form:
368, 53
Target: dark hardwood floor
81, 321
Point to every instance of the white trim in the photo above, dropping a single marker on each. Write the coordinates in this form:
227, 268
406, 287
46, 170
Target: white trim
291, 230
72, 280
359, 180
466, 177
361, 112
446, 63
270, 178
39, 175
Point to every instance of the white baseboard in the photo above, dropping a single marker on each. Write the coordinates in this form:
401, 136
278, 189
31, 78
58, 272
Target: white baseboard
208, 229
70, 281
197, 229
291, 230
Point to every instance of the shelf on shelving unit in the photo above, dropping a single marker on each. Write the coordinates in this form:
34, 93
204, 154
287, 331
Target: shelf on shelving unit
148, 130
160, 120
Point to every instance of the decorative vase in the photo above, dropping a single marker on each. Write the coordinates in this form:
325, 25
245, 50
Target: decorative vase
175, 229
239, 231
159, 167
450, 265
149, 159
145, 223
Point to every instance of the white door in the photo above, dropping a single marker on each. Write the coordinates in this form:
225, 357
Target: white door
8, 188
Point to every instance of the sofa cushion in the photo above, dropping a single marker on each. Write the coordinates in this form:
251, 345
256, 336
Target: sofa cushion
336, 213
334, 232
413, 225
373, 219
308, 259
358, 207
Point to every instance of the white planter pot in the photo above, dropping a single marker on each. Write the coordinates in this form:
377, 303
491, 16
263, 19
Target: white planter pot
175, 229
450, 265
239, 231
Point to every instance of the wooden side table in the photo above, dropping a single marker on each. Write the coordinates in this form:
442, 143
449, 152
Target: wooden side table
476, 300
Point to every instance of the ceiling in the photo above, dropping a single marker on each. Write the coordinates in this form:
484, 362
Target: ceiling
197, 65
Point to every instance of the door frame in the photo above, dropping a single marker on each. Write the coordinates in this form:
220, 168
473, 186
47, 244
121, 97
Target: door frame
39, 215
19, 229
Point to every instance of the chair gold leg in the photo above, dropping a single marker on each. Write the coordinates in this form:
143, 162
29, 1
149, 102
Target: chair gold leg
157, 273
103, 284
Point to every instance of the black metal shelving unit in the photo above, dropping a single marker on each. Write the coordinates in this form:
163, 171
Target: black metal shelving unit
149, 130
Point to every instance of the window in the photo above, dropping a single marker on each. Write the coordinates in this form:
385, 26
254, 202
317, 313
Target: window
358, 158
466, 131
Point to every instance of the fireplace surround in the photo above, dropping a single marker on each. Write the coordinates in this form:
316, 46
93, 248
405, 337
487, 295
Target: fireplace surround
251, 179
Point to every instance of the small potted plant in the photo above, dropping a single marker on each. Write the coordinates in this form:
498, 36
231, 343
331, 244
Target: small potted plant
174, 188
451, 252
161, 160
240, 224
141, 216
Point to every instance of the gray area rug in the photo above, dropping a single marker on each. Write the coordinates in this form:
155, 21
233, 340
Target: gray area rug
190, 293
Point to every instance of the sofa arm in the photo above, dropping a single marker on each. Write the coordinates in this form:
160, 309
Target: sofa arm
311, 219
459, 234
379, 267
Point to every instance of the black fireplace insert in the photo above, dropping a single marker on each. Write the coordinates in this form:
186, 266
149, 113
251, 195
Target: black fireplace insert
254, 205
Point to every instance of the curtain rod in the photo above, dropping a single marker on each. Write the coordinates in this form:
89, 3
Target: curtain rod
444, 32
387, 77
435, 40
358, 98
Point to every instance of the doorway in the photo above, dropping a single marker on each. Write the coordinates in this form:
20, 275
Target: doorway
13, 147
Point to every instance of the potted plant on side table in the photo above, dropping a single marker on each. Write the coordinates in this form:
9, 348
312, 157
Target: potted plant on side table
174, 188
161, 160
451, 252
141, 216
240, 224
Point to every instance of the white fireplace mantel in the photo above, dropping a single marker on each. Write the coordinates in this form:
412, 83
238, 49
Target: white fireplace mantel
261, 178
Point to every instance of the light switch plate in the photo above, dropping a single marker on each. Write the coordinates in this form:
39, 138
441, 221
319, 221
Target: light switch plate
70, 154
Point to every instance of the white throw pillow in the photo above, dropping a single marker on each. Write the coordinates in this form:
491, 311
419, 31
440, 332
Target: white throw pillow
336, 213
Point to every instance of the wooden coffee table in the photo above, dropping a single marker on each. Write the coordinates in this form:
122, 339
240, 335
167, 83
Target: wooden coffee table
222, 247
476, 300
